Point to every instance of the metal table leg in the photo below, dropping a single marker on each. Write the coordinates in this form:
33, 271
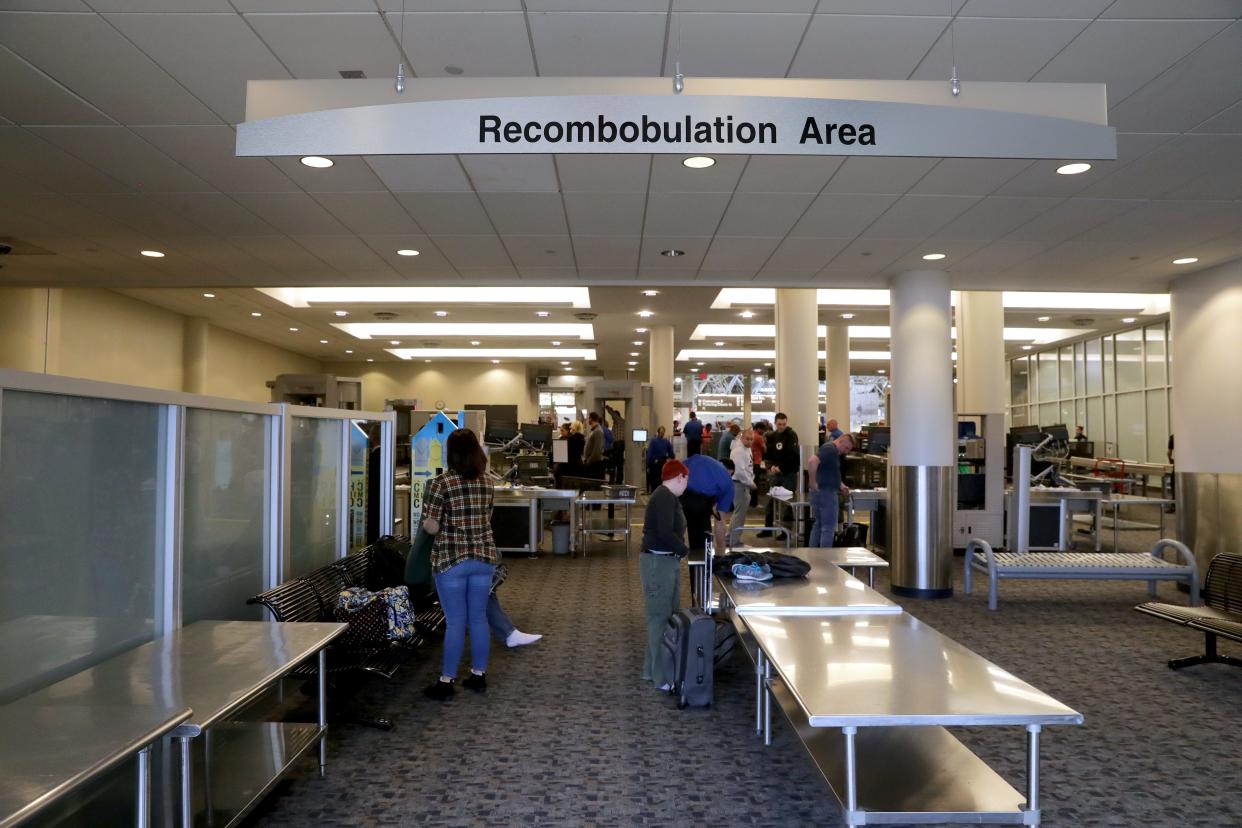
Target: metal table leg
534, 533
767, 702
759, 659
1116, 528
142, 818
1032, 772
323, 709
851, 776
1062, 534
187, 790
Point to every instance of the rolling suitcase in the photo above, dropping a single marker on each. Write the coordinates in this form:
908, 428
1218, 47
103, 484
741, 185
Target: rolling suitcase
690, 654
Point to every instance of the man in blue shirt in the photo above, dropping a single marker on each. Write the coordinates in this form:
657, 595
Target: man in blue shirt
834, 429
658, 450
826, 486
727, 437
693, 432
709, 491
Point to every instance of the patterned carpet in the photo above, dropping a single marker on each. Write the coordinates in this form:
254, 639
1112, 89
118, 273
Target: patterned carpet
567, 733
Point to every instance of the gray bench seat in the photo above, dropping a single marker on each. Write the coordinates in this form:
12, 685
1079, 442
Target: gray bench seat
1222, 615
1110, 566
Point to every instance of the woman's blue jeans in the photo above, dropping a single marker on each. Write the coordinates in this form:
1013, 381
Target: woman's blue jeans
463, 596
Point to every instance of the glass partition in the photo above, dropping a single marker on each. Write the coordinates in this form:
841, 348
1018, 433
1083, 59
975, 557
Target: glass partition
1047, 376
1066, 363
1131, 427
1095, 423
1019, 381
315, 454
1109, 377
224, 548
1130, 360
1157, 427
1157, 372
82, 501
1095, 374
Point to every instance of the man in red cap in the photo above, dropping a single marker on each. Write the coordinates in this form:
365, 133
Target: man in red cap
659, 566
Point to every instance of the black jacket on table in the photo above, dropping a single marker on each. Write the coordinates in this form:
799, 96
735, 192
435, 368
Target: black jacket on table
783, 450
664, 525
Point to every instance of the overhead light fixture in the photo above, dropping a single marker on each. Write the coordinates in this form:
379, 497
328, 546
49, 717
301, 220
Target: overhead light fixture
1027, 347
388, 330
541, 314
758, 370
476, 354
554, 342
323, 342
255, 314
305, 297
405, 251
651, 293
747, 314
318, 162
637, 342
646, 314
640, 330
370, 360
847, 316
441, 313
152, 254
474, 342
394, 342
700, 364
1044, 318
698, 162
293, 330
933, 257
720, 344
631, 363
1073, 169
672, 253
1127, 320
635, 353
882, 371
209, 296
1187, 260
348, 351
495, 362
427, 361
564, 362
340, 313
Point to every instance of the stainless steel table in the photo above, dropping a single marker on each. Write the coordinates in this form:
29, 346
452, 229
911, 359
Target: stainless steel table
852, 558
871, 697
1117, 501
581, 529
57, 739
532, 499
826, 590
795, 511
1067, 502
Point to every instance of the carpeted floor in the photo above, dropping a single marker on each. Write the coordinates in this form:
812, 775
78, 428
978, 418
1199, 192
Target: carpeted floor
567, 733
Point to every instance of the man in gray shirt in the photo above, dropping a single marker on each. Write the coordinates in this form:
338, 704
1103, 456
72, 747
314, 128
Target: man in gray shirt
593, 451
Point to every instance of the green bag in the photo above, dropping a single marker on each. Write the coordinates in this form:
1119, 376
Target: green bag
418, 562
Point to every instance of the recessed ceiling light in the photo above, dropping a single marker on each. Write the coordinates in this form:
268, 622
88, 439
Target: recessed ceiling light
700, 364
556, 342
747, 314
637, 342
317, 161
1027, 347
348, 351
340, 313
646, 314
698, 162
474, 342
1127, 320
453, 70
882, 371
767, 365
495, 362
294, 330
634, 353
255, 314
933, 257
1187, 260
441, 313
323, 342
640, 330
758, 370
719, 344
651, 293
564, 362
394, 342
631, 363
427, 361
209, 296
370, 360
152, 254
847, 316
1073, 169
541, 314
1044, 318
406, 251
672, 253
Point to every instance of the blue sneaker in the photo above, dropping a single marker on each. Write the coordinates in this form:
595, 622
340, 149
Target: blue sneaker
752, 572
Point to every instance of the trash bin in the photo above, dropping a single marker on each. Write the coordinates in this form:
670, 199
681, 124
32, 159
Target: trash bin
560, 537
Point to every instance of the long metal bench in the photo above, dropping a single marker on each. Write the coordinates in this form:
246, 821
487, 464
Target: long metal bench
1221, 614
1107, 566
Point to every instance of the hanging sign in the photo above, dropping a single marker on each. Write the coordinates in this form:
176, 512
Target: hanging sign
642, 115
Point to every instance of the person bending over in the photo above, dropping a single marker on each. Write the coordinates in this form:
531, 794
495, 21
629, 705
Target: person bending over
659, 565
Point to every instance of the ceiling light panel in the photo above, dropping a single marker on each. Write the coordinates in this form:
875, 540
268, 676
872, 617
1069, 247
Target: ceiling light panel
540, 330
489, 353
306, 297
1146, 303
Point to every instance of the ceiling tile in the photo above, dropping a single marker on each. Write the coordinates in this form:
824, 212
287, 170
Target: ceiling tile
540, 251
212, 55
879, 175
1182, 9
177, 6
604, 173
529, 214
804, 254
767, 214
215, 212
143, 213
1230, 120
684, 214
669, 175
472, 252
283, 254
511, 173
997, 50
915, 217
428, 260
605, 214
420, 173
347, 174
607, 252
369, 213
999, 256
93, 60
841, 216
348, 254
123, 155
881, 47
1171, 166
891, 7
805, 6
65, 214
451, 5
869, 255
968, 176
209, 152
447, 214
996, 216
484, 45
290, 6
28, 156
788, 173
693, 250
595, 44
1070, 218
294, 213
1125, 54
321, 45
734, 45
1041, 178
1067, 9
27, 96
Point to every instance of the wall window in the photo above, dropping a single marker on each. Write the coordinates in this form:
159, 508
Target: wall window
1129, 360
1019, 381
1157, 371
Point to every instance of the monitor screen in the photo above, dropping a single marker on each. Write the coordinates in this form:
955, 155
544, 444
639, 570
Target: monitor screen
878, 439
499, 432
1059, 432
639, 435
1025, 435
537, 434
967, 429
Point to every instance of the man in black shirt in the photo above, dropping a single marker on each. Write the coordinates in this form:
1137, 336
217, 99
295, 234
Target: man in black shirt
783, 462
664, 545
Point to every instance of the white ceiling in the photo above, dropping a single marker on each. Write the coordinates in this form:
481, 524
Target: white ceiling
116, 135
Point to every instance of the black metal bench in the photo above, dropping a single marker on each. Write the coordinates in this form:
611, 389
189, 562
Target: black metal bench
313, 598
1220, 615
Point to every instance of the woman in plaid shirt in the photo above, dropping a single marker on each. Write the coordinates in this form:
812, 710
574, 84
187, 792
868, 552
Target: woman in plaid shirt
457, 510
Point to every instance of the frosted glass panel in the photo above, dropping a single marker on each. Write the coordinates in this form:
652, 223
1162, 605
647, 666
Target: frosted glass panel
1157, 427
1157, 373
1110, 384
223, 550
315, 454
1131, 434
1129, 360
363, 499
1094, 372
1067, 372
1080, 384
80, 514
1067, 415
1048, 415
1048, 379
1019, 381
1110, 425
1095, 422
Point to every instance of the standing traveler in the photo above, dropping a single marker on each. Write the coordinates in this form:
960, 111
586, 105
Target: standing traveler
658, 450
659, 565
833, 429
783, 464
593, 450
824, 469
743, 483
457, 512
693, 432
726, 440
618, 444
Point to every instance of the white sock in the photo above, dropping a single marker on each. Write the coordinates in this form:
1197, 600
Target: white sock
517, 638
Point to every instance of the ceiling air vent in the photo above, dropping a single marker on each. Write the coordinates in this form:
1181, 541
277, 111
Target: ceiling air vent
586, 316
352, 74
430, 343
1083, 321
384, 316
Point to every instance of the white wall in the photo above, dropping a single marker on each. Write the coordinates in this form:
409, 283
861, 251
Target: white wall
456, 383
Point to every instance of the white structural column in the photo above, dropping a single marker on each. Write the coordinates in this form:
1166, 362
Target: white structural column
981, 352
1207, 408
660, 370
837, 376
797, 361
194, 355
922, 455
747, 385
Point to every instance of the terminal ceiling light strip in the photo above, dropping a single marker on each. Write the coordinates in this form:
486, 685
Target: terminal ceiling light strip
541, 330
577, 297
692, 354
489, 353
1145, 303
1040, 336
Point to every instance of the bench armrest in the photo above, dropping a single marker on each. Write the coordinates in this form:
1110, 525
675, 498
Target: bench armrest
1187, 557
980, 545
